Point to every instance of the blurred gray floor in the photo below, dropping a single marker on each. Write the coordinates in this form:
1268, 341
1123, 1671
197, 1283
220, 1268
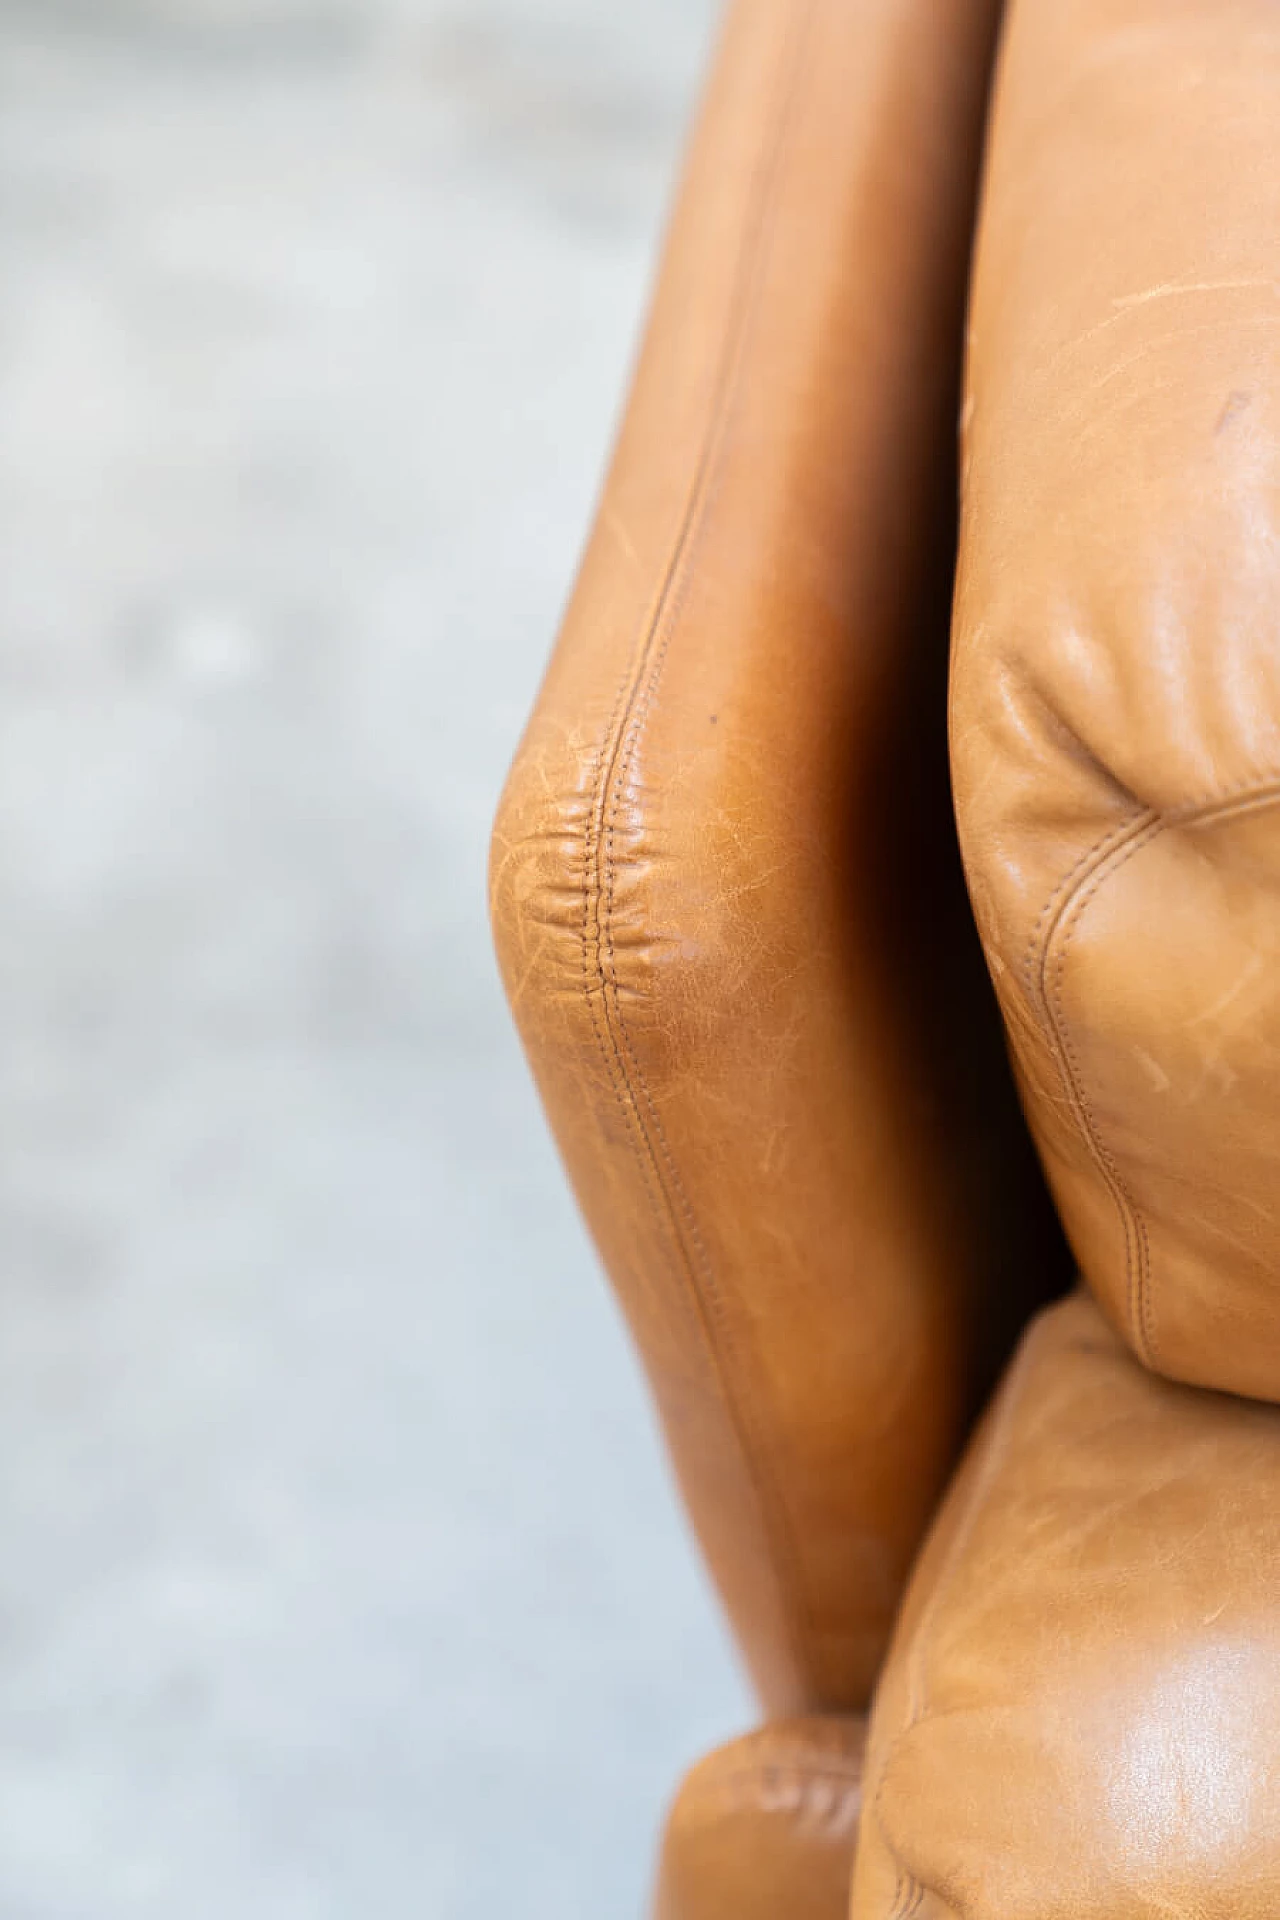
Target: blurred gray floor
339, 1574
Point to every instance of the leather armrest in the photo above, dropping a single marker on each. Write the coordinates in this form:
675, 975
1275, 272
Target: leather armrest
725, 895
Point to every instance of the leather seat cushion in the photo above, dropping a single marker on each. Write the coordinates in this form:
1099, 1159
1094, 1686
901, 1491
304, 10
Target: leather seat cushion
1078, 1719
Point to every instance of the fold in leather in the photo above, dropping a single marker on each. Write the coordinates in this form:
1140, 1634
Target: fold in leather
726, 896
1078, 1717
766, 1826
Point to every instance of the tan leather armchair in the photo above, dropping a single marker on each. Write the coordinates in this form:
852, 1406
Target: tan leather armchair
734, 930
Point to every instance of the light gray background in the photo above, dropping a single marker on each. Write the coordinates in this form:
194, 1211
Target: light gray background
339, 1573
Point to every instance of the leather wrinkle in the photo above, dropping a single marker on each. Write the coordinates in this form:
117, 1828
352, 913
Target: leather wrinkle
793, 1771
666, 1193
907, 1888
1073, 895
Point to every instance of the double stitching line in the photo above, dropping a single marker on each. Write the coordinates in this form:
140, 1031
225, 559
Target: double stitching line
664, 1188
1073, 895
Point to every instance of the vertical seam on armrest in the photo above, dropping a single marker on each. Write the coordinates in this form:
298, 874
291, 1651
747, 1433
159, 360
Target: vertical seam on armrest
665, 1189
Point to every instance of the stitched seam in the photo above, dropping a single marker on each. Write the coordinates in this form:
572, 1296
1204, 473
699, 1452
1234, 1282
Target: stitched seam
711, 1305
1089, 875
906, 1887
1083, 882
1099, 848
710, 1302
664, 1188
1137, 1250
593, 971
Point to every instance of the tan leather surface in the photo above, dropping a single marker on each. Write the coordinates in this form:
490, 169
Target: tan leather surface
1116, 705
726, 899
765, 1828
1078, 1718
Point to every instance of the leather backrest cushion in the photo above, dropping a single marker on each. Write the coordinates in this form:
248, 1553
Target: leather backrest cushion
1116, 673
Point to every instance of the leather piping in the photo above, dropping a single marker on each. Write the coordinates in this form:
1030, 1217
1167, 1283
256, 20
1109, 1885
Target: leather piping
599, 965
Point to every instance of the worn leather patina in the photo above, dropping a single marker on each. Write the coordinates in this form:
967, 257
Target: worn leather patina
734, 927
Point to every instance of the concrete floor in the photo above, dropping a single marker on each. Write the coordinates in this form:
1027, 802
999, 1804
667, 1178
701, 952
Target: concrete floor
340, 1576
